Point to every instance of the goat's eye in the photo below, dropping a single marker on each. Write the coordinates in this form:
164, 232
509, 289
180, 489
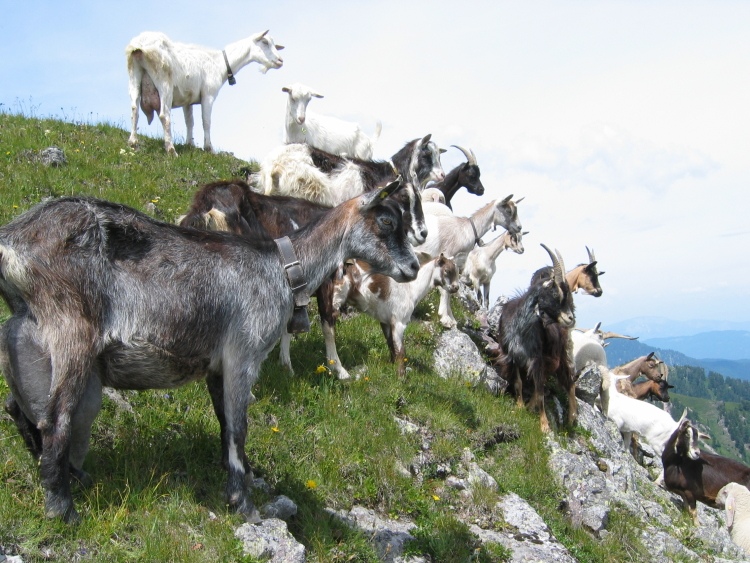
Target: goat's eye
387, 222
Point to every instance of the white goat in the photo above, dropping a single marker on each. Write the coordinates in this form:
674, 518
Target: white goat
631, 416
588, 348
736, 501
480, 264
324, 132
432, 195
165, 74
390, 302
456, 236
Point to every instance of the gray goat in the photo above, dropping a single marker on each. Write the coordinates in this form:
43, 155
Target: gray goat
105, 295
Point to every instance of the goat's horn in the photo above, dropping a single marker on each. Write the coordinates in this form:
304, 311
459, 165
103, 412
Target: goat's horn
262, 35
592, 258
556, 268
470, 158
519, 200
562, 265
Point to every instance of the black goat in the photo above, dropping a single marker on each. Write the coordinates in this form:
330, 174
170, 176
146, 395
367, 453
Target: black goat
533, 333
465, 175
112, 297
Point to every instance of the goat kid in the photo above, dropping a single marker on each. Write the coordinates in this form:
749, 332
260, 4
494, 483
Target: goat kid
323, 132
649, 366
164, 74
533, 333
110, 294
697, 475
456, 236
480, 265
392, 303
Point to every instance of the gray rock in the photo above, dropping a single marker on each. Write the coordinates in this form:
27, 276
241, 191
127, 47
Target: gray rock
456, 354
281, 507
388, 536
589, 383
270, 540
52, 156
528, 537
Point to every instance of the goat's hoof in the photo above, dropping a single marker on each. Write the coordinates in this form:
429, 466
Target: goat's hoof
81, 478
248, 510
62, 509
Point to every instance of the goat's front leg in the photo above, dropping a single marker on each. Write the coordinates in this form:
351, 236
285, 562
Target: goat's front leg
446, 314
328, 314
397, 344
285, 351
237, 396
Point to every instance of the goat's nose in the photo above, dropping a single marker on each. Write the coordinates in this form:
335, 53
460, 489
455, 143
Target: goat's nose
301, 120
423, 234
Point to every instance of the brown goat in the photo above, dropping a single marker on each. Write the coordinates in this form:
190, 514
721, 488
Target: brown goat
697, 475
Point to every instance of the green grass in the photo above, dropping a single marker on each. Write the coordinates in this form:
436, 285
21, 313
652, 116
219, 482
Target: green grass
158, 482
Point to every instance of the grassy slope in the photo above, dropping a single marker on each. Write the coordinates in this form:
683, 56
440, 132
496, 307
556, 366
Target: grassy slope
158, 492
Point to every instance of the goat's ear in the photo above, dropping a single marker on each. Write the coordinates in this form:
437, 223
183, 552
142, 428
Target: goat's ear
426, 138
703, 436
279, 47
316, 95
441, 151
373, 198
286, 89
601, 273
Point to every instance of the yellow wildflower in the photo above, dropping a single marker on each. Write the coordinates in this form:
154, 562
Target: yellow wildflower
435, 497
321, 369
274, 428
310, 484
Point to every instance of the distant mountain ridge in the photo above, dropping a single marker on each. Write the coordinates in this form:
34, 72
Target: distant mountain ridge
622, 351
719, 344
649, 328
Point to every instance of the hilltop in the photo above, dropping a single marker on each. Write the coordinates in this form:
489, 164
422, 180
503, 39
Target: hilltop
433, 457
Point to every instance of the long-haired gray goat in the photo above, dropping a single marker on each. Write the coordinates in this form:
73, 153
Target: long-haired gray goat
112, 297
533, 333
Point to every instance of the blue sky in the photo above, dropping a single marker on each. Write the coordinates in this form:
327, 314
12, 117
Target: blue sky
625, 125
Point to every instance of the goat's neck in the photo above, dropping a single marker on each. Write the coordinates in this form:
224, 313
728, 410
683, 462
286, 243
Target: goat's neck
572, 277
497, 246
632, 369
324, 244
239, 54
484, 219
422, 285
449, 186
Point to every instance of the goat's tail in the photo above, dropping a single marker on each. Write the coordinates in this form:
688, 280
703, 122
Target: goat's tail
12, 269
378, 130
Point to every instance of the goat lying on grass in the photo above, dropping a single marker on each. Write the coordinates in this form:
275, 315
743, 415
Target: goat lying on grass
390, 302
165, 74
324, 132
109, 294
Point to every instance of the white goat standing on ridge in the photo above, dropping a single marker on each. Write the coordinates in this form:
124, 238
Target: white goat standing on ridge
165, 74
324, 132
480, 264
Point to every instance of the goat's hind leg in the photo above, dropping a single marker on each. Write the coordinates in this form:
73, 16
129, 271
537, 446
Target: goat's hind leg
237, 395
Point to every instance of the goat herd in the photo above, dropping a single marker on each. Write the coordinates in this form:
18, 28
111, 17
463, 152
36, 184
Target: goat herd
103, 295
